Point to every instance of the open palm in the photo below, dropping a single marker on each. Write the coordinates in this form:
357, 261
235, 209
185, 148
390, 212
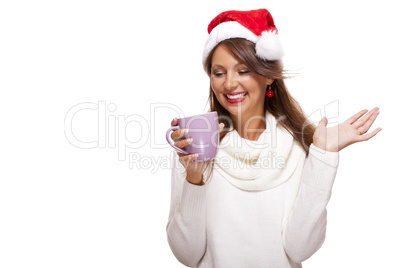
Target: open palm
351, 131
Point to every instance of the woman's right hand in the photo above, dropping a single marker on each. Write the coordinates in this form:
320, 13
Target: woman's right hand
194, 169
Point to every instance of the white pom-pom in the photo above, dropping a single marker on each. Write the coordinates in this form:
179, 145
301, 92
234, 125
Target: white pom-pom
268, 46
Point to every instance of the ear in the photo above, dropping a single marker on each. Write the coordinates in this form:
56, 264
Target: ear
269, 81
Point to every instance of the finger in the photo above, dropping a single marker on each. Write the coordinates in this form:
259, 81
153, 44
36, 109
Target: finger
186, 159
182, 155
323, 122
221, 126
183, 142
177, 134
174, 122
353, 119
368, 136
362, 121
364, 128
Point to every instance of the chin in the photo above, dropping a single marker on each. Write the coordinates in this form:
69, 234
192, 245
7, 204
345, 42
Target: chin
237, 111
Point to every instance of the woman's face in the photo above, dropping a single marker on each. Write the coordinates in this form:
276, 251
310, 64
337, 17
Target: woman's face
230, 77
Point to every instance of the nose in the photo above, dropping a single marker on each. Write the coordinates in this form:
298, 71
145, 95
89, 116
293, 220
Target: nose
231, 81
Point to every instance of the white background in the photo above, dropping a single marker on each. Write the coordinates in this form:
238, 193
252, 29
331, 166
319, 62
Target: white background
65, 206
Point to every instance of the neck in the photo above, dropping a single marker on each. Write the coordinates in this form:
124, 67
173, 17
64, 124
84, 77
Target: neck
250, 127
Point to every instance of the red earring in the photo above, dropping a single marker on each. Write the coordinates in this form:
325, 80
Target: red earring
270, 92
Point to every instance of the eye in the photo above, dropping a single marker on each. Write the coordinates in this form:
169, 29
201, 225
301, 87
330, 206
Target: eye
218, 74
245, 71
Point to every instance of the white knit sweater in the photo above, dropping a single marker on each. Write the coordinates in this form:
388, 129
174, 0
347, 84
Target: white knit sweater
220, 225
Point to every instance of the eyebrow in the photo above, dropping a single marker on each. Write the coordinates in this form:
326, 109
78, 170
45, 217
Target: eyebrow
220, 66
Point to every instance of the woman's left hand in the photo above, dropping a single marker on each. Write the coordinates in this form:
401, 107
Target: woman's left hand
336, 138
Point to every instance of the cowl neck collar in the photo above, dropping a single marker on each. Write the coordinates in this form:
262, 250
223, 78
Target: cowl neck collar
262, 164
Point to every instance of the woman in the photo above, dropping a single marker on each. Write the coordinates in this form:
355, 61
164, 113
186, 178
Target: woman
263, 201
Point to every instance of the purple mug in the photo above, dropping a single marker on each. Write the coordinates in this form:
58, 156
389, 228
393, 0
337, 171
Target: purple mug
204, 130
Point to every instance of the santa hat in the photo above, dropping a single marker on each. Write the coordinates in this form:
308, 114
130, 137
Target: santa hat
256, 26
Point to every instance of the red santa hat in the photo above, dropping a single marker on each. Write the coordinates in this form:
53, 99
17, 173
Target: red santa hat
256, 26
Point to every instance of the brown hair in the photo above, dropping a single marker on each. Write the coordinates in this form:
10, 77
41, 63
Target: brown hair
282, 105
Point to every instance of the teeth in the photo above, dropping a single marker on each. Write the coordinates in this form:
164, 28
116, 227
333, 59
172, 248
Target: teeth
238, 96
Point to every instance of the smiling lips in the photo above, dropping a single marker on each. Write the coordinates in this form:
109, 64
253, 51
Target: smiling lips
236, 97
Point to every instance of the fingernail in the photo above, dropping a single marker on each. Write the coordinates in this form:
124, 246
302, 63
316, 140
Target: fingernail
189, 140
186, 131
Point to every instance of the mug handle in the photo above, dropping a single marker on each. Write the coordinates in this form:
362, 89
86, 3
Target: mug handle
170, 142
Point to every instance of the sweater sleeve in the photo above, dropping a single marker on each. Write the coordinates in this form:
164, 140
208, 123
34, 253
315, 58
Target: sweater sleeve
186, 228
304, 232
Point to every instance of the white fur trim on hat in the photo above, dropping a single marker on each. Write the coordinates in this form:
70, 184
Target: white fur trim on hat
268, 46
227, 30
